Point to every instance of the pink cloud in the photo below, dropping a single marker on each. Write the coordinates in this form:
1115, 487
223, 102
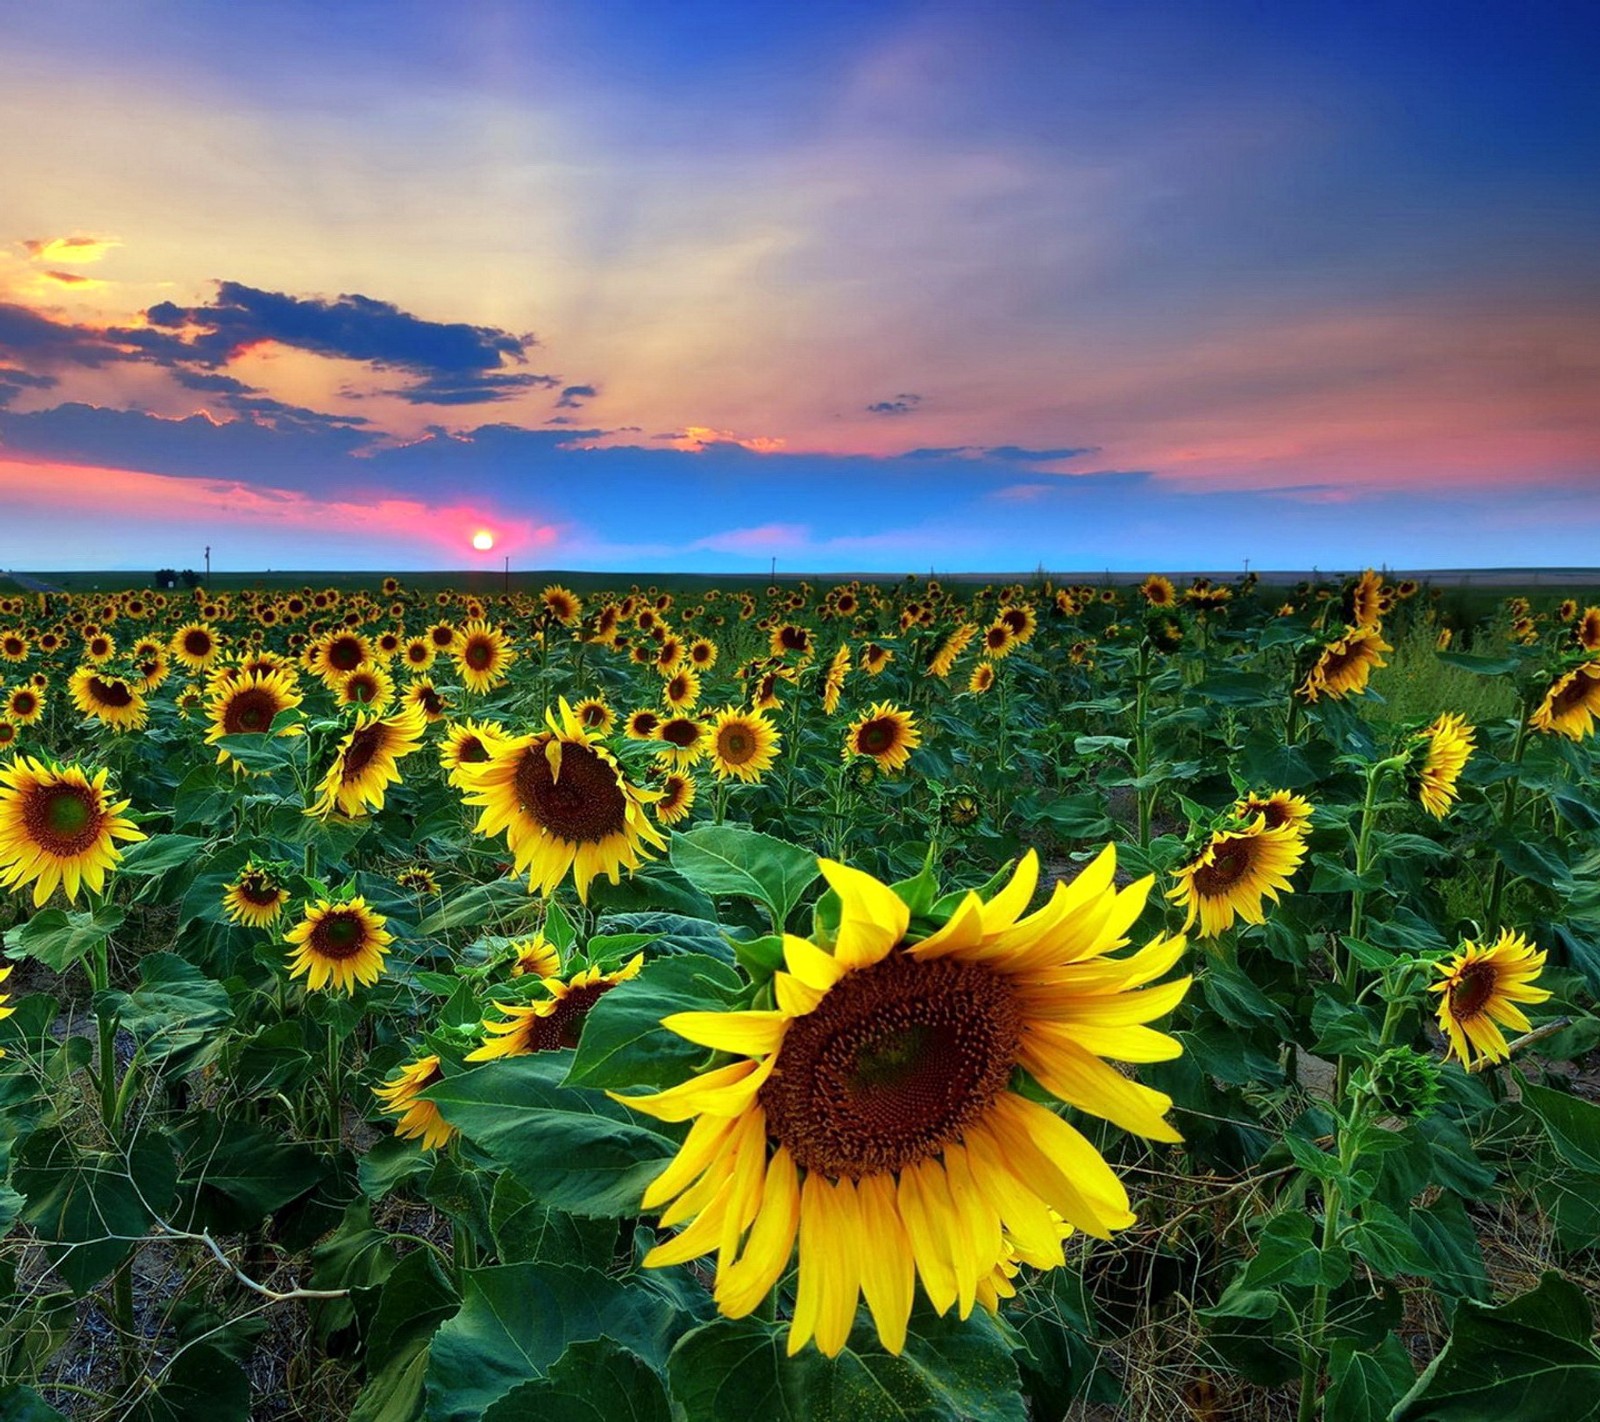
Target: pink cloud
754, 542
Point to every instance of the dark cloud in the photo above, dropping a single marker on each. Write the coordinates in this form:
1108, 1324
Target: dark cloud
28, 337
574, 395
473, 390
902, 404
1008, 453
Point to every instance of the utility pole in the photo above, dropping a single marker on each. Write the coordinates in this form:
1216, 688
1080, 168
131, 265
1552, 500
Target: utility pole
208, 567
774, 573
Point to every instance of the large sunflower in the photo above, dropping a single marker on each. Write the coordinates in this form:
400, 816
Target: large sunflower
1481, 988
1345, 664
248, 705
402, 1097
563, 803
111, 700
1234, 872
886, 733
342, 944
1444, 748
366, 763
482, 654
57, 826
871, 1115
1571, 705
743, 744
255, 898
552, 1022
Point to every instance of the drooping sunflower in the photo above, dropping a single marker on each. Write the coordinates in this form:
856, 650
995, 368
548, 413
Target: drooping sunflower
833, 679
419, 1119
111, 700
787, 640
1570, 706
1365, 602
744, 745
678, 790
195, 645
552, 1022
1444, 749
875, 658
1587, 630
563, 803
1235, 872
369, 685
255, 898
483, 655
563, 605
341, 944
1481, 988
871, 1117
366, 762
469, 743
982, 678
427, 698
418, 879
1281, 807
1345, 664
248, 706
5, 1011
57, 826
886, 733
536, 956
24, 705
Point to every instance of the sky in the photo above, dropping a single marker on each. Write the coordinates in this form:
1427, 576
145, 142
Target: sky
872, 287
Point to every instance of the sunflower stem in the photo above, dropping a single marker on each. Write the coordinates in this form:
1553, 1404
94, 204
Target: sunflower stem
335, 1090
1312, 1350
1141, 742
1508, 810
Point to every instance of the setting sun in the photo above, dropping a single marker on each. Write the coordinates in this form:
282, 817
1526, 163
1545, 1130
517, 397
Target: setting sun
483, 540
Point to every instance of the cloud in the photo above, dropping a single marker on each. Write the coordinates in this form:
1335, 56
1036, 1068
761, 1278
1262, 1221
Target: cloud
902, 404
573, 395
471, 390
1011, 453
69, 249
765, 539
692, 439
1023, 493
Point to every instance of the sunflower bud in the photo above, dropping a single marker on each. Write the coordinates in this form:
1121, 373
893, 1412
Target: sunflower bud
1405, 1082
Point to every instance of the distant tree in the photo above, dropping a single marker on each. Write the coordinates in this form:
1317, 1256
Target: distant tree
166, 578
191, 579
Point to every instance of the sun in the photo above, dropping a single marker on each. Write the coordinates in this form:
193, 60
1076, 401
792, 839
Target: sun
483, 540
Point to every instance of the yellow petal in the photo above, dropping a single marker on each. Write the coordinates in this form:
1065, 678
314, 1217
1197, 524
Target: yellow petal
928, 1245
1006, 907
751, 1277
888, 1272
1064, 1069
962, 932
752, 1034
872, 917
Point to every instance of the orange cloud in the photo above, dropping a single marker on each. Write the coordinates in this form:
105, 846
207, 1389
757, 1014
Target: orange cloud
693, 438
72, 250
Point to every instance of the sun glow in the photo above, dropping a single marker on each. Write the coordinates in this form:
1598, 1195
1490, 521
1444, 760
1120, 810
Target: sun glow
483, 540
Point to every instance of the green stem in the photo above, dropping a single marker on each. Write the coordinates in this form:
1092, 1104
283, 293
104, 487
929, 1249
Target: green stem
335, 1090
1312, 1350
122, 1310
1141, 743
1508, 810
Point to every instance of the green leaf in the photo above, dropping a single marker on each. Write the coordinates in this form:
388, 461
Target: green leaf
22, 1404
518, 1319
1530, 1359
202, 1384
671, 933
526, 1232
234, 1173
413, 1301
1572, 1124
624, 1043
1365, 1384
598, 1381
480, 904
951, 1371
1079, 817
260, 752
1286, 1254
389, 1164
1448, 1237
572, 1148
160, 853
1385, 1241
727, 861
1479, 665
175, 1013
58, 938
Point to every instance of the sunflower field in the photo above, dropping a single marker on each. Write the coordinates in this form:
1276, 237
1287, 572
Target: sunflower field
897, 1001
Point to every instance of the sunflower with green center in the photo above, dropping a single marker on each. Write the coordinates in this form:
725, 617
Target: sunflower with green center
57, 826
1480, 989
339, 944
1345, 664
367, 763
1571, 705
255, 898
870, 1117
553, 1022
564, 804
1442, 752
402, 1097
744, 745
10, 733
886, 733
248, 705
1235, 872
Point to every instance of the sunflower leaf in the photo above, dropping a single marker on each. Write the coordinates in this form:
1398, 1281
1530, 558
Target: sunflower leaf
724, 860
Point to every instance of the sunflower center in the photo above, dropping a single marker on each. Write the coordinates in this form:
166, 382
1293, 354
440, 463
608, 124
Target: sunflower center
682, 733
361, 688
584, 805
895, 1063
23, 702
344, 654
63, 819
364, 747
471, 751
250, 713
877, 737
563, 1026
1471, 991
197, 644
736, 745
340, 934
479, 654
257, 889
113, 694
1230, 862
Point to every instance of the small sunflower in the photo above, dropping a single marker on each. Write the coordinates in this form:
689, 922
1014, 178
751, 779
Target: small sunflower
1444, 748
369, 685
982, 678
483, 655
99, 648
13, 646
340, 653
537, 956
1365, 600
1158, 591
1281, 807
402, 1096
1481, 988
875, 658
999, 640
1235, 872
5, 1011
195, 645
685, 739
564, 804
247, 706
418, 879
419, 654
886, 733
833, 679
255, 898
678, 790
10, 733
702, 654
341, 944
596, 715
23, 705
552, 1022
468, 743
366, 763
1570, 706
1587, 630
564, 606
427, 698
1345, 664
643, 724
111, 700
681, 690
743, 745
57, 826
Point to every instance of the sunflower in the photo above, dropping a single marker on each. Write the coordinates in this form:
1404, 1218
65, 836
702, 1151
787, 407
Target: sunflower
418, 654
99, 648
402, 1097
563, 803
13, 646
1570, 706
365, 765
1158, 591
1481, 987
871, 1115
552, 1022
677, 797
1281, 807
643, 724
24, 705
441, 636
566, 607
340, 944
249, 705
468, 743
702, 654
886, 733
1444, 747
537, 956
108, 699
999, 640
57, 826
425, 696
1021, 619
255, 898
743, 744
418, 879
1365, 601
368, 685
1345, 664
596, 715
482, 654
787, 639
875, 658
339, 653
1235, 871
681, 690
1587, 631
685, 739
982, 678
10, 733
833, 679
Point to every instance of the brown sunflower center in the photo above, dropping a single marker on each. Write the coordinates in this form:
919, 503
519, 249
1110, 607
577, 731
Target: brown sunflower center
250, 712
345, 653
895, 1063
1230, 862
736, 745
24, 703
1574, 694
15, 646
431, 701
1471, 991
364, 748
681, 732
442, 637
361, 688
471, 751
197, 644
563, 1026
585, 804
878, 736
111, 694
258, 889
645, 723
340, 934
479, 654
63, 819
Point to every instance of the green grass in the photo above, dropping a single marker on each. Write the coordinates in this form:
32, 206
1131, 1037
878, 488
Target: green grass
463, 580
1417, 686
